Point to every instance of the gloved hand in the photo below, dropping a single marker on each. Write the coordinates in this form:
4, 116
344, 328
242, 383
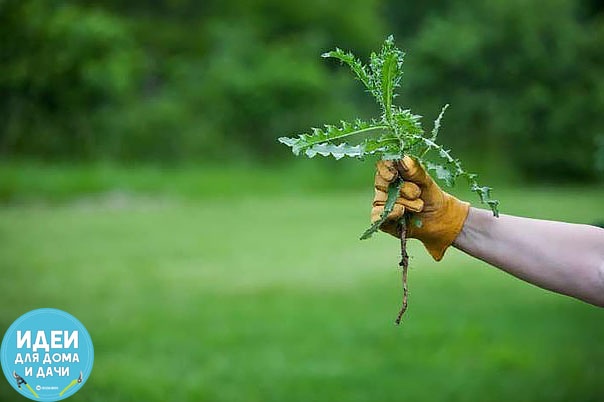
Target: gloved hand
435, 217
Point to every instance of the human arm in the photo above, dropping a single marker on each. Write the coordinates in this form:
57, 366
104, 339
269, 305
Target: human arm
562, 257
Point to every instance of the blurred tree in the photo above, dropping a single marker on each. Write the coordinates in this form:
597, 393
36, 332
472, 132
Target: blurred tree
60, 65
256, 72
178, 80
524, 77
172, 80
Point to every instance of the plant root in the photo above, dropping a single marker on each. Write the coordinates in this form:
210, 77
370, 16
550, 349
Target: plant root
405, 266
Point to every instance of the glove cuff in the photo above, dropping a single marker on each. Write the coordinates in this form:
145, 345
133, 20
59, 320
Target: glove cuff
445, 229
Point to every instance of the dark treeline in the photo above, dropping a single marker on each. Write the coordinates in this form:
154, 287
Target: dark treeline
185, 80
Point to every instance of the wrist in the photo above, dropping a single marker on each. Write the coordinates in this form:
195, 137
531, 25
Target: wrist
473, 229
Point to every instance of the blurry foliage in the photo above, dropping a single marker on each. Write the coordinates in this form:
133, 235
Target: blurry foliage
182, 80
599, 154
524, 78
154, 83
60, 66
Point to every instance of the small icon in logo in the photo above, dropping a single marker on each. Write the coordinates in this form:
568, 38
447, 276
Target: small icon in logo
21, 381
71, 384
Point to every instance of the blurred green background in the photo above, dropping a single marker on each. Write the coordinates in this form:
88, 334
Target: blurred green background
142, 190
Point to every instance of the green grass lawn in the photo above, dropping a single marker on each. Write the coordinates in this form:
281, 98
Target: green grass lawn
273, 298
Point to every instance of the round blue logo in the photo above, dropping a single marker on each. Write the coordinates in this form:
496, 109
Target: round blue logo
47, 355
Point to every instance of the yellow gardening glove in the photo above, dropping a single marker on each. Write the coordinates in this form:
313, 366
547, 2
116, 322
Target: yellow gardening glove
435, 217
408, 199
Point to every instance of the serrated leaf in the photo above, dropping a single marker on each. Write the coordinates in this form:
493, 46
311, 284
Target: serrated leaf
485, 197
445, 154
441, 172
330, 133
386, 73
390, 78
290, 142
393, 191
407, 123
359, 70
368, 146
383, 144
389, 72
337, 151
392, 154
437, 122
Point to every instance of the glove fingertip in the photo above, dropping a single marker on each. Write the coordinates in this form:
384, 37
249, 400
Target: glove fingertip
405, 163
376, 213
386, 170
397, 212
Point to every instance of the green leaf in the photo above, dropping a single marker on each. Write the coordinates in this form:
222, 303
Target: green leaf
406, 123
305, 142
441, 172
359, 70
392, 154
337, 151
485, 197
389, 71
393, 192
385, 143
437, 122
368, 146
386, 74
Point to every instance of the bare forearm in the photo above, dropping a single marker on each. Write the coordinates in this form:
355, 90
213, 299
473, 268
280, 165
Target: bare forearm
562, 257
